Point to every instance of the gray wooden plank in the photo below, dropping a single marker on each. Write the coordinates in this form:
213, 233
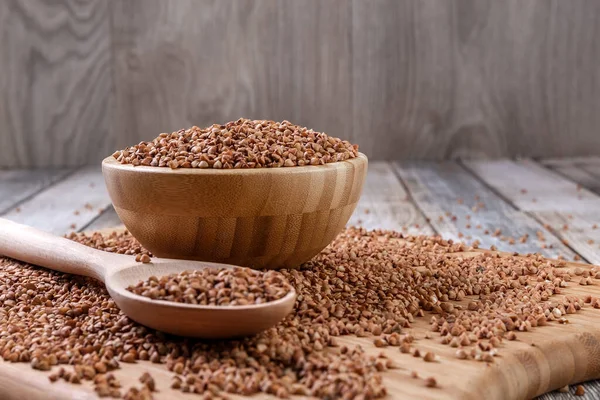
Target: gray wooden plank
577, 174
56, 80
476, 78
531, 187
172, 57
457, 203
436, 188
107, 219
575, 160
384, 204
400, 94
592, 167
592, 391
18, 184
572, 212
67, 205
418, 79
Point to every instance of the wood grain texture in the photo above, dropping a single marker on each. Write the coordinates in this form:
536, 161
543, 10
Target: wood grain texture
259, 218
185, 63
408, 79
76, 200
18, 185
404, 77
592, 392
38, 387
570, 212
558, 161
107, 219
531, 187
592, 168
447, 194
579, 175
448, 228
562, 354
56, 82
385, 204
475, 78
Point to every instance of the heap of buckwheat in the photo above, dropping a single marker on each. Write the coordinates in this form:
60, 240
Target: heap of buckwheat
365, 283
239, 144
216, 286
114, 242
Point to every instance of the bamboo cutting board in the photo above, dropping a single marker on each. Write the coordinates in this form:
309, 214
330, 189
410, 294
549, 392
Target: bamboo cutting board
537, 362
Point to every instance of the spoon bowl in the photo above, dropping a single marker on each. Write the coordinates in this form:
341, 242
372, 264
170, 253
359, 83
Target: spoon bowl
210, 322
119, 271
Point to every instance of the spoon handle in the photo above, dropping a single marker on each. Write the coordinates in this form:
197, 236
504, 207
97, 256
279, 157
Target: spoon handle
33, 246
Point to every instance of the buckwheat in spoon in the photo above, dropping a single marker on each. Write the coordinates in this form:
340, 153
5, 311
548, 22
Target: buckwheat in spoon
182, 301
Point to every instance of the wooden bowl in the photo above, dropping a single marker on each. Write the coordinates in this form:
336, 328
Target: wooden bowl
258, 218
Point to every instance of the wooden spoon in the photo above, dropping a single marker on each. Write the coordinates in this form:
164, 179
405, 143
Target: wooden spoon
118, 271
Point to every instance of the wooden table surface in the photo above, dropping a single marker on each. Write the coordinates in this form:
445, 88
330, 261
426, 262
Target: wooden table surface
495, 202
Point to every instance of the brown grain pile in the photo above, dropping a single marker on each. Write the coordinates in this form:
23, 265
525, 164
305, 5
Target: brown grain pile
239, 144
216, 287
114, 242
365, 283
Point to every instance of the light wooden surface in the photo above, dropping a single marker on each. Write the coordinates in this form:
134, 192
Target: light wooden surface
571, 212
402, 78
66, 206
384, 204
18, 185
457, 203
579, 175
258, 218
543, 359
393, 197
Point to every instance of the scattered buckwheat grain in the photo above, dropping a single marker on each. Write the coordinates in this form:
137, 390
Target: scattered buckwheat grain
430, 382
148, 381
138, 394
364, 283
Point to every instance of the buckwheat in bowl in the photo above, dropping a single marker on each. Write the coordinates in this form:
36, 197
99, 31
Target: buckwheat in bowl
254, 193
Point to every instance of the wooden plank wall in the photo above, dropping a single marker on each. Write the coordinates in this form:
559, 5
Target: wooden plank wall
55, 82
405, 79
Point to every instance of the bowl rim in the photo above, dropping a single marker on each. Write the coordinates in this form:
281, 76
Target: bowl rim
111, 162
